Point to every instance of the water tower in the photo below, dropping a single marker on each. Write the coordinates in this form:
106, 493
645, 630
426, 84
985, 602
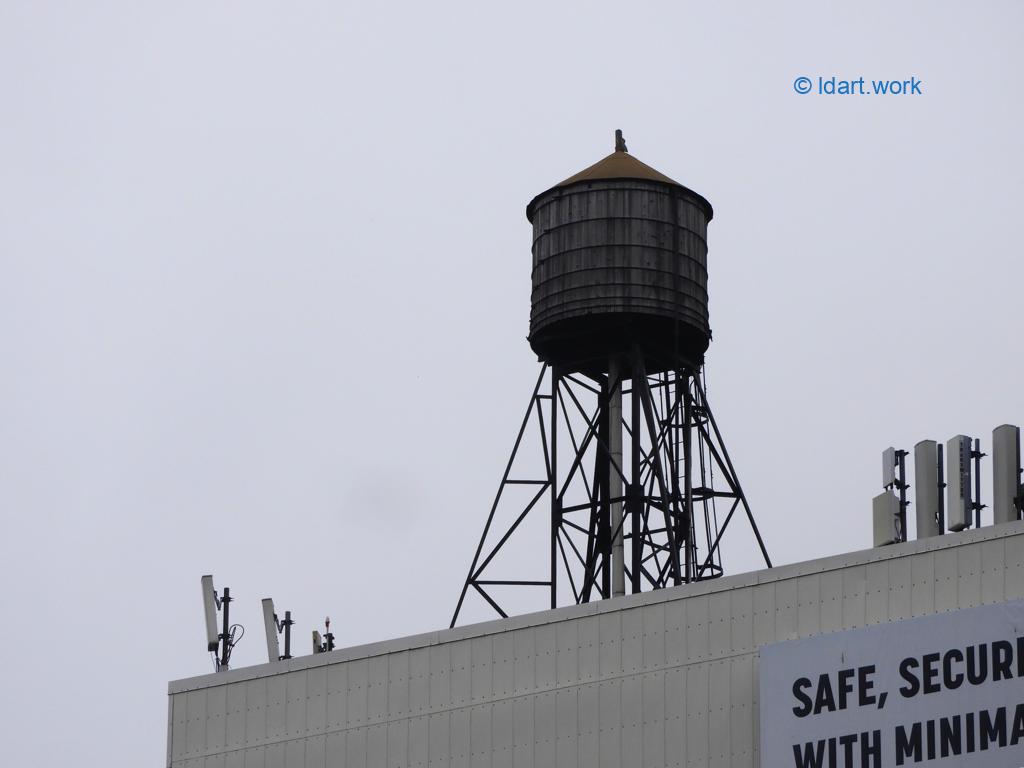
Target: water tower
619, 449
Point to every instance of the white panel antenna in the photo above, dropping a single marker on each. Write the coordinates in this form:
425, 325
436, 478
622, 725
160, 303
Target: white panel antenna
1006, 472
210, 603
888, 467
885, 512
227, 637
270, 626
928, 479
958, 483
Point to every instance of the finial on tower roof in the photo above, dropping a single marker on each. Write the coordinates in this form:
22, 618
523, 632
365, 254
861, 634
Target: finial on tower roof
620, 143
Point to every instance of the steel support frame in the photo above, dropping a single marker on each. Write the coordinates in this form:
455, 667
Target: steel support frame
675, 473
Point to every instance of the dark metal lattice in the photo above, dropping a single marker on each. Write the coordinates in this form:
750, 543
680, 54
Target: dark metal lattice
676, 476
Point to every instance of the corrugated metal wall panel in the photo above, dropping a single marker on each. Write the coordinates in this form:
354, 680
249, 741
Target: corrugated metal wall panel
719, 712
590, 725
831, 601
945, 580
567, 666
295, 754
741, 716
993, 567
786, 619
356, 706
808, 595
195, 738
589, 649
355, 748
377, 746
216, 720
610, 715
741, 621
764, 613
419, 681
273, 757
502, 733
480, 670
876, 594
675, 719
631, 731
337, 696
609, 633
544, 734
522, 726
696, 643
854, 597
236, 716
398, 744
177, 737
632, 640
398, 685
719, 623
654, 719
922, 590
460, 738
545, 658
1014, 555
567, 726
755, 708
377, 689
697, 714
480, 736
667, 679
295, 712
968, 563
439, 736
316, 752
277, 713
899, 590
503, 665
675, 633
335, 750
525, 665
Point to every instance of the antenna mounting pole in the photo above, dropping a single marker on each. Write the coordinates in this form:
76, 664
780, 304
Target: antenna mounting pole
976, 505
286, 625
225, 635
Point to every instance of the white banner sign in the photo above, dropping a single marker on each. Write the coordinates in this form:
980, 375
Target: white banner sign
945, 690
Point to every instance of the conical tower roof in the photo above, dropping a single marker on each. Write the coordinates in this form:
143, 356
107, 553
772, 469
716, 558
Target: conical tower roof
618, 165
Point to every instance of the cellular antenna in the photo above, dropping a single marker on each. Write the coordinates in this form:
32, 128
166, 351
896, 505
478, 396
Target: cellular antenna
885, 513
1006, 473
210, 612
229, 635
273, 627
928, 477
323, 643
963, 463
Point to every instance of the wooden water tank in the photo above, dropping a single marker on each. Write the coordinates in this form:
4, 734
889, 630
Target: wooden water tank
619, 260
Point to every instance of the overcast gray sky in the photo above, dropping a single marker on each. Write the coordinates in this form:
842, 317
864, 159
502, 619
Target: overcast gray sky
264, 293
